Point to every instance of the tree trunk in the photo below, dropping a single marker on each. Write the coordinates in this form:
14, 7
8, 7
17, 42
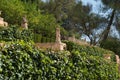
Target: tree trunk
106, 32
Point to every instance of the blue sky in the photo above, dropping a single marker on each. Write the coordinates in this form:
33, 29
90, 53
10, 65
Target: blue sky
95, 4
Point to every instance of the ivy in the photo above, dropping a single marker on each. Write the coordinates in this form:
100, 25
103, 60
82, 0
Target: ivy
22, 61
13, 33
89, 50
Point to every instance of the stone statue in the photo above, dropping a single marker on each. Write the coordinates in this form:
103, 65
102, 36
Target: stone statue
24, 23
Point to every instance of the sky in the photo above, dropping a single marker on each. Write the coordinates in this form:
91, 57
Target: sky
95, 4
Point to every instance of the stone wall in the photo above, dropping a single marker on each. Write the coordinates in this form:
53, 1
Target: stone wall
118, 62
107, 56
52, 46
78, 41
58, 45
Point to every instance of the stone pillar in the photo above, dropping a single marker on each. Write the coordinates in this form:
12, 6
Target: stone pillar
117, 59
24, 23
58, 37
74, 39
2, 22
0, 12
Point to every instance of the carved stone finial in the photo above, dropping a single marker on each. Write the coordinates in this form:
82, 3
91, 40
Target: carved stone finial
24, 23
58, 36
0, 12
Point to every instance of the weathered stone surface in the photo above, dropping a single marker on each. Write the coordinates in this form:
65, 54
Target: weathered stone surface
117, 59
24, 23
58, 36
107, 56
52, 46
78, 41
58, 45
3, 23
1, 19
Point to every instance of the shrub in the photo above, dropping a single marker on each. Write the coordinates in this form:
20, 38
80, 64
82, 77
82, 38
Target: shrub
13, 33
111, 44
90, 50
22, 61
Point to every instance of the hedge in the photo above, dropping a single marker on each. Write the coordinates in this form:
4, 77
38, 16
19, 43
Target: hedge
20, 60
90, 50
13, 33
